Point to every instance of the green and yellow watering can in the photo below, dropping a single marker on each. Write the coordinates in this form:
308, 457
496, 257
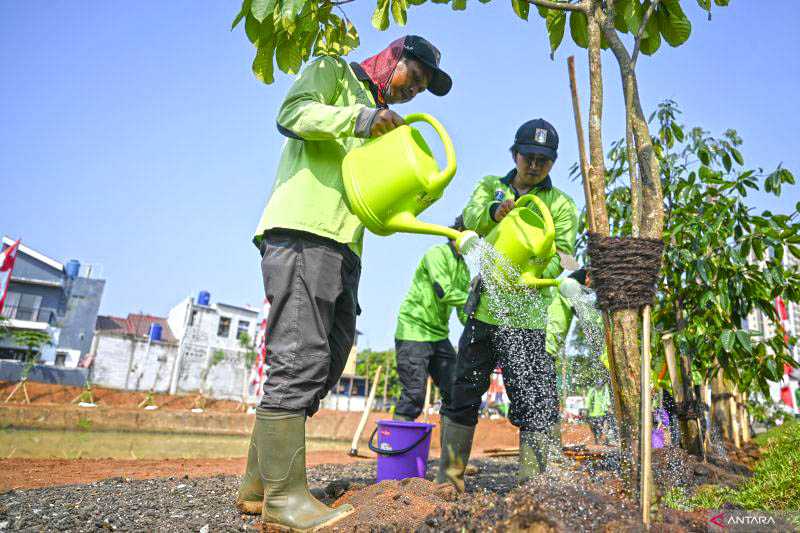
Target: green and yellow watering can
526, 238
393, 178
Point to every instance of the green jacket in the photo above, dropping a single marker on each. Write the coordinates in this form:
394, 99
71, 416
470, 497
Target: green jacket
559, 319
324, 116
597, 401
440, 283
565, 218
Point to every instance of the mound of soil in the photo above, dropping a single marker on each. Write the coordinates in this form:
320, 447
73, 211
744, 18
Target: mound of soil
674, 467
560, 501
395, 505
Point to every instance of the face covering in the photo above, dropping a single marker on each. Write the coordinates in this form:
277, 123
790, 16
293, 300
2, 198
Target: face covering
380, 68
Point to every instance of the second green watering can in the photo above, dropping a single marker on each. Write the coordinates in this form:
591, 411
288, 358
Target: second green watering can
526, 239
393, 178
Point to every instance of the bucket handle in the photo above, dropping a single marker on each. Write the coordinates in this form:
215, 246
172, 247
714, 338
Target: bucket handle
391, 453
526, 199
444, 176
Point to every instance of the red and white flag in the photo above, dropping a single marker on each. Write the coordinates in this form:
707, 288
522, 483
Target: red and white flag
7, 259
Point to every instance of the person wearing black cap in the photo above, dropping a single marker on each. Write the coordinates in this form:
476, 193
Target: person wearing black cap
515, 338
310, 243
422, 344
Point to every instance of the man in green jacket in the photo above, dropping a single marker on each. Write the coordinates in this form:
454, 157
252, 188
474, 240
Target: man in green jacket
598, 399
310, 243
421, 341
514, 338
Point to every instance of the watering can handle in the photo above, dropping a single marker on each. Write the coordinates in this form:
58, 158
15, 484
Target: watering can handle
526, 199
444, 176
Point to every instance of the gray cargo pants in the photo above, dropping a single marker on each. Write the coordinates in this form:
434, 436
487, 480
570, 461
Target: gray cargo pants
312, 285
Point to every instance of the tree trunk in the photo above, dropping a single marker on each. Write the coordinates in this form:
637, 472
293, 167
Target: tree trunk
623, 326
744, 418
720, 407
691, 440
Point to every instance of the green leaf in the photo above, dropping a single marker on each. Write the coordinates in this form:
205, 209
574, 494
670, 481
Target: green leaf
555, 23
242, 13
737, 155
418, 2
702, 153
726, 161
399, 11
672, 22
289, 55
261, 8
744, 340
652, 42
252, 29
579, 29
459, 5
727, 339
380, 18
677, 131
633, 16
262, 64
621, 7
721, 3
521, 8
289, 11
705, 4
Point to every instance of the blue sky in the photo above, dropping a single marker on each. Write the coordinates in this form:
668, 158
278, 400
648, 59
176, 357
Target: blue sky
137, 138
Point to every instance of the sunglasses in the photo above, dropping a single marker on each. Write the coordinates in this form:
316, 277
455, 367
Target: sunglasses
535, 160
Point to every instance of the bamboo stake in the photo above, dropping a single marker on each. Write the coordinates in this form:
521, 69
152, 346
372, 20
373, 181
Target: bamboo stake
427, 400
645, 460
365, 415
587, 191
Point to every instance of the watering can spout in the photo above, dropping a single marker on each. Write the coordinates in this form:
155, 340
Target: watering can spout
407, 223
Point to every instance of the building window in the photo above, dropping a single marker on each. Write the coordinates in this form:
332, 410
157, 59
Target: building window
61, 359
242, 328
224, 328
192, 317
22, 306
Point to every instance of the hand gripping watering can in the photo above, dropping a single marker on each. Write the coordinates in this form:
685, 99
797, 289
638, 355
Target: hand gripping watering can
526, 239
393, 178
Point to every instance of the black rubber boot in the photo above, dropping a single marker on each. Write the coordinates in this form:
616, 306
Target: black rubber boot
288, 505
456, 443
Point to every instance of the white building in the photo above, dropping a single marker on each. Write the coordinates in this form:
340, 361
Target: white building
211, 357
757, 321
198, 350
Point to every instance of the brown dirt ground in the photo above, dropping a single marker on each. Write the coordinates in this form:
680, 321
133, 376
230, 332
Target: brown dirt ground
46, 393
35, 473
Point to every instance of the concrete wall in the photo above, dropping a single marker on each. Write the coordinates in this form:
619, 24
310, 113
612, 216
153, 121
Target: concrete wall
77, 325
116, 352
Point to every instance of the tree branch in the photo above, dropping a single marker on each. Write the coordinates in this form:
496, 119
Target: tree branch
638, 42
561, 6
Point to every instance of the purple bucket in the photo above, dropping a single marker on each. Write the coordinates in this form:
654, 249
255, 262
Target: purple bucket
657, 438
402, 448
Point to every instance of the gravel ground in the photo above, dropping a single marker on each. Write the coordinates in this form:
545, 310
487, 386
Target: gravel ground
577, 499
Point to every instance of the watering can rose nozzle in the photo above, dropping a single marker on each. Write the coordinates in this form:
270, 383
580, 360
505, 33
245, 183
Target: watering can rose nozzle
466, 241
569, 288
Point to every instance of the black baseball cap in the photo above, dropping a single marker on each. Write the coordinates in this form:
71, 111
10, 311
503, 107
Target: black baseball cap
537, 137
458, 223
427, 54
